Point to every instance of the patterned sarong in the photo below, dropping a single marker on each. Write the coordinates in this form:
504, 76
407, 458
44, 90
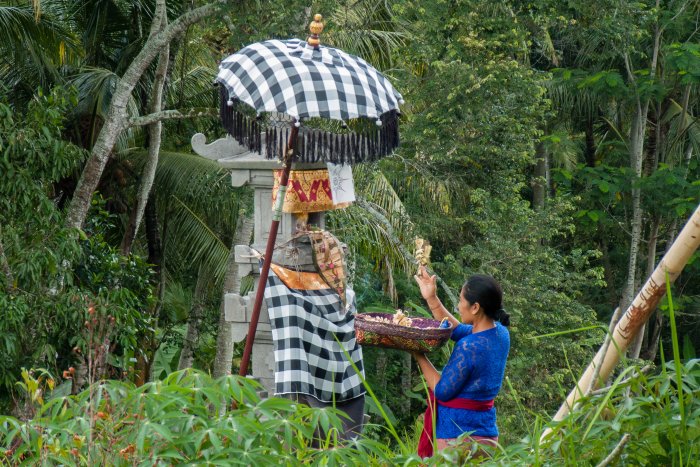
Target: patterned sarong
308, 359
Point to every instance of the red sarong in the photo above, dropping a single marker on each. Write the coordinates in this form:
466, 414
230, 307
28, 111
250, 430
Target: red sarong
426, 442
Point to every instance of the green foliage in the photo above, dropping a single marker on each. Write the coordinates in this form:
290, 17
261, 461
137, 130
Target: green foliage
51, 276
34, 156
484, 84
187, 417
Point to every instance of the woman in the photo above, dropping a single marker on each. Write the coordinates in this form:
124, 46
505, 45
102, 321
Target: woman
473, 375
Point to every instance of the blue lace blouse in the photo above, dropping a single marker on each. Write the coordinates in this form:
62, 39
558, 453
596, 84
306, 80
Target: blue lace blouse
474, 371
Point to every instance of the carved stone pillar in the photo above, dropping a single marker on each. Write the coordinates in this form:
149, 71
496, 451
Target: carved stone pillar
252, 169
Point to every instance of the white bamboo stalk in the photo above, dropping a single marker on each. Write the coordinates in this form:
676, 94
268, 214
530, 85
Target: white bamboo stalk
638, 312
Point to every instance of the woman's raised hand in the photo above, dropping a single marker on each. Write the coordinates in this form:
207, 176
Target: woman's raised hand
426, 283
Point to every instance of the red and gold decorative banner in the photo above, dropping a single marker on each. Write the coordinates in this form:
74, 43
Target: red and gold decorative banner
308, 191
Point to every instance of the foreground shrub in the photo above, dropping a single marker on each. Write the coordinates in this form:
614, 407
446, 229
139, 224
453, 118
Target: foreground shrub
192, 418
188, 417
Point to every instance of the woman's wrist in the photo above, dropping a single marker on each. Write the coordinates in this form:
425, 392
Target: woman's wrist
433, 302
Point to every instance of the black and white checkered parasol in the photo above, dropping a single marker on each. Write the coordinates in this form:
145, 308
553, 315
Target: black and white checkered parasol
293, 78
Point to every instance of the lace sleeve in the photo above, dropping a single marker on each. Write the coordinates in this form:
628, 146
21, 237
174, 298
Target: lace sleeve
456, 372
461, 331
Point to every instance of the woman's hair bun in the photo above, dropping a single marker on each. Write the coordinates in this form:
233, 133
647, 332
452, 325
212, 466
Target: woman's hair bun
503, 317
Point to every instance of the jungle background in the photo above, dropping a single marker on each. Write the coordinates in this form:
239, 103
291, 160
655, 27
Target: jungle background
553, 145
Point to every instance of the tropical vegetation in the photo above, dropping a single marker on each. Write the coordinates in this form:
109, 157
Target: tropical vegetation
553, 145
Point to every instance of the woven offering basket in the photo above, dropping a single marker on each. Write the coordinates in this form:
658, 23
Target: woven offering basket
424, 335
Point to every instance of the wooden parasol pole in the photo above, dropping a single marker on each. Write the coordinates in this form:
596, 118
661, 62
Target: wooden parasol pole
638, 312
269, 248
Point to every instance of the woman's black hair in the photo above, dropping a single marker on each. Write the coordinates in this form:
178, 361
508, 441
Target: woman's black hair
487, 292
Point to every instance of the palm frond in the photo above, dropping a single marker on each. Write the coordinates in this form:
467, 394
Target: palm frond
367, 29
194, 197
418, 185
683, 130
202, 184
376, 188
45, 45
371, 236
192, 89
564, 150
196, 242
96, 87
572, 101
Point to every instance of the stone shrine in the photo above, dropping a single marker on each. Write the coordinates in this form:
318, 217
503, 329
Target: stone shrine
250, 168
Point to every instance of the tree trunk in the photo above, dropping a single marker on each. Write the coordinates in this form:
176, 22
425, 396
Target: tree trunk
590, 144
116, 119
637, 132
6, 271
405, 401
539, 182
155, 246
232, 284
638, 312
156, 257
636, 145
389, 286
381, 365
636, 346
194, 320
154, 132
651, 164
654, 336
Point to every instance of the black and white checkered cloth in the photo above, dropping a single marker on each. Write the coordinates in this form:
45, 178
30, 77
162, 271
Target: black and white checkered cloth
308, 359
294, 78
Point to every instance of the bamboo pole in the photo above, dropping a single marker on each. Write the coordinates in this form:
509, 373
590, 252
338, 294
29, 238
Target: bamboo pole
638, 312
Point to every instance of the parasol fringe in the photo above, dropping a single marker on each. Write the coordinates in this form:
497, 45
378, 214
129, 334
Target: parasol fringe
312, 145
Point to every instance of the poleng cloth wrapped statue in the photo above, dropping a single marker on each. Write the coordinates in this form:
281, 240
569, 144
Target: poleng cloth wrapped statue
308, 191
311, 331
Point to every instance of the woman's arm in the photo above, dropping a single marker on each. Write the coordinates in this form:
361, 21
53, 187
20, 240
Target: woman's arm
431, 375
428, 289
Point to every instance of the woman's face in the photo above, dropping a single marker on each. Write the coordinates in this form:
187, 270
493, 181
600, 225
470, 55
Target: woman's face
467, 311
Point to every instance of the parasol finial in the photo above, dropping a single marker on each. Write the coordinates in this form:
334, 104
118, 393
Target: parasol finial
315, 27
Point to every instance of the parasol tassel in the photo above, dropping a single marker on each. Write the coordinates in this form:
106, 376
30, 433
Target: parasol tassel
258, 145
225, 112
382, 138
286, 138
313, 144
342, 149
338, 141
325, 145
275, 144
354, 147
